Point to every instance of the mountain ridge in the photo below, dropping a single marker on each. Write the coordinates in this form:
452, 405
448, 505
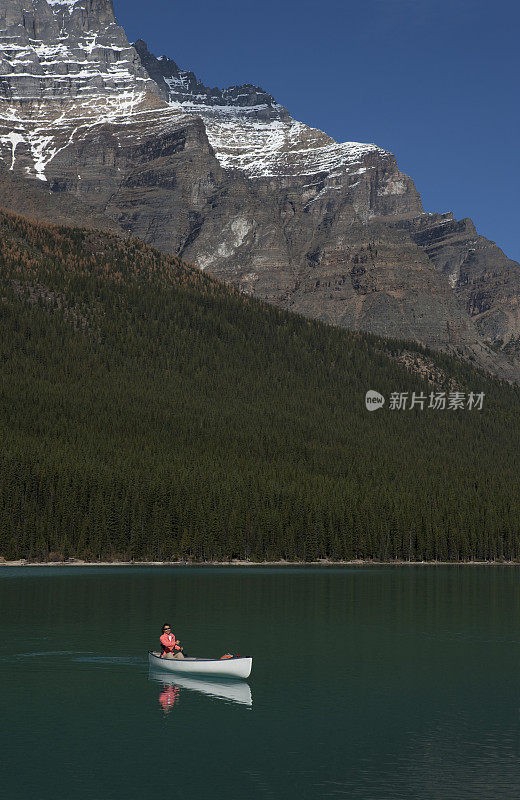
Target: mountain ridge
228, 180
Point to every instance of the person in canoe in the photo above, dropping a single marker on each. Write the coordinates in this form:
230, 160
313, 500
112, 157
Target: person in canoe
171, 647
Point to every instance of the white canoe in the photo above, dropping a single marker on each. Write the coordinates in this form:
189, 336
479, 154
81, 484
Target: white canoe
235, 691
236, 667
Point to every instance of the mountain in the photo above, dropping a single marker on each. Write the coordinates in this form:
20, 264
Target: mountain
148, 411
231, 182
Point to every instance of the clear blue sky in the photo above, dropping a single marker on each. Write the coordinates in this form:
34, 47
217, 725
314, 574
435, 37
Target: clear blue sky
434, 81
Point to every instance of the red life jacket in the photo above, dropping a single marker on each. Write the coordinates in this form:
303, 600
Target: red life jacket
169, 643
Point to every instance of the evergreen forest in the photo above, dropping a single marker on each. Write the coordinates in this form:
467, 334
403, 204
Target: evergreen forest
149, 412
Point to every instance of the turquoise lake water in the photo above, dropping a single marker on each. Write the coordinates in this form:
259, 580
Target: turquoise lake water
374, 683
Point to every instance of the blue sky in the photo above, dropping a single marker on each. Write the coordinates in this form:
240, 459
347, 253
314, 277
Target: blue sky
435, 82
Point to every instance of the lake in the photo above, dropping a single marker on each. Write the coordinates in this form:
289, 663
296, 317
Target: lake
377, 683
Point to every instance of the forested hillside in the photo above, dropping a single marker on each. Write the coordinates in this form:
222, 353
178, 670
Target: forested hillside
147, 411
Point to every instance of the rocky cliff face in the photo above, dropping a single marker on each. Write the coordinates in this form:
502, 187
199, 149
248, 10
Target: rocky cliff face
79, 113
484, 280
230, 181
57, 51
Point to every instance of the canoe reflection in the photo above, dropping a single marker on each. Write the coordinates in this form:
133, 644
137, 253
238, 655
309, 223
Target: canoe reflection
232, 691
168, 697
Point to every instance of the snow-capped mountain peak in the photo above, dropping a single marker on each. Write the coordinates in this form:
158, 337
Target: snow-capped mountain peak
251, 132
64, 65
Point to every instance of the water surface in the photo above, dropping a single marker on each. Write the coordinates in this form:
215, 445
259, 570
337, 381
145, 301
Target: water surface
375, 683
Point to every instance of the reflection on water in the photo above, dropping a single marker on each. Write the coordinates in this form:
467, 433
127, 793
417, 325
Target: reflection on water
168, 697
232, 691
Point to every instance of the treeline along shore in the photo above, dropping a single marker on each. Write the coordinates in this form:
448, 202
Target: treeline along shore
150, 413
235, 563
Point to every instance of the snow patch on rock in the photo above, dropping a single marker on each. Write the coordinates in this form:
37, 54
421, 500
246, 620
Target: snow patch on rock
15, 139
234, 235
240, 228
393, 186
244, 140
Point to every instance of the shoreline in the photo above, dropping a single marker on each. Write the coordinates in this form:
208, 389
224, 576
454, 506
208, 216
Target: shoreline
238, 563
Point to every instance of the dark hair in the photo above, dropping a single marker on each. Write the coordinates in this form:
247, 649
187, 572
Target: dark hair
165, 626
